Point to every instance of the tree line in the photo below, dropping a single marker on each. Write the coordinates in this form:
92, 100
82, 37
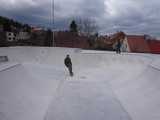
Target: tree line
85, 26
12, 25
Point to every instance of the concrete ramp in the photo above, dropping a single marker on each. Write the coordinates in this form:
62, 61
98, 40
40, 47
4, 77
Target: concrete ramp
24, 93
106, 86
140, 95
80, 98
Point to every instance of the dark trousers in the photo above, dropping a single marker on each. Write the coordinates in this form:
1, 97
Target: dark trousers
118, 50
70, 69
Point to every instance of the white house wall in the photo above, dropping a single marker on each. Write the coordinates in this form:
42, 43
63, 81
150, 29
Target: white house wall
125, 46
23, 36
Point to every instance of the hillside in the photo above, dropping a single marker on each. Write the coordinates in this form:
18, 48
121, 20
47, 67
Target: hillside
10, 24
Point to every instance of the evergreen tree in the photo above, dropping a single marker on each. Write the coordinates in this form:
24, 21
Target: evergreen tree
9, 24
73, 27
27, 28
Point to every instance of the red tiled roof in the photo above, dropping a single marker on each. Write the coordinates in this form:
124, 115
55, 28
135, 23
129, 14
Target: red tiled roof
137, 43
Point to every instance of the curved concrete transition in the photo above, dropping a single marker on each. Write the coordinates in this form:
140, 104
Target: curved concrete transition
35, 85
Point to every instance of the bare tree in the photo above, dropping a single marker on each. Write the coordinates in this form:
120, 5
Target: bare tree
87, 26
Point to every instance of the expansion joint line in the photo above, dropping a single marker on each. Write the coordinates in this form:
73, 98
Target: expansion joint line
60, 84
11, 67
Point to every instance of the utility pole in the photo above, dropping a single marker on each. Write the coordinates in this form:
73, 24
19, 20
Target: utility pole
52, 21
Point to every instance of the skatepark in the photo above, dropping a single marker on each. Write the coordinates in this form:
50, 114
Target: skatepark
35, 85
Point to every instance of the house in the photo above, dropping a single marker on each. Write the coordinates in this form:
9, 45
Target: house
110, 42
141, 44
22, 36
12, 37
137, 43
37, 30
154, 46
125, 45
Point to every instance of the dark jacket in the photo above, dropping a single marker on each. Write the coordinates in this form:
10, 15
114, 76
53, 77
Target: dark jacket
67, 62
118, 44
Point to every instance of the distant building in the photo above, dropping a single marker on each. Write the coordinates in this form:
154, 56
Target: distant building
154, 46
137, 43
22, 36
130, 43
110, 42
125, 45
142, 44
37, 30
11, 36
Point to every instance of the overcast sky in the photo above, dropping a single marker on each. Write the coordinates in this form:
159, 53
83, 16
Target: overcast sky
130, 16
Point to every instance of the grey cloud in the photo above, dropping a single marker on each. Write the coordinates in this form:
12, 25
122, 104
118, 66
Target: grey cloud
130, 16
27, 13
